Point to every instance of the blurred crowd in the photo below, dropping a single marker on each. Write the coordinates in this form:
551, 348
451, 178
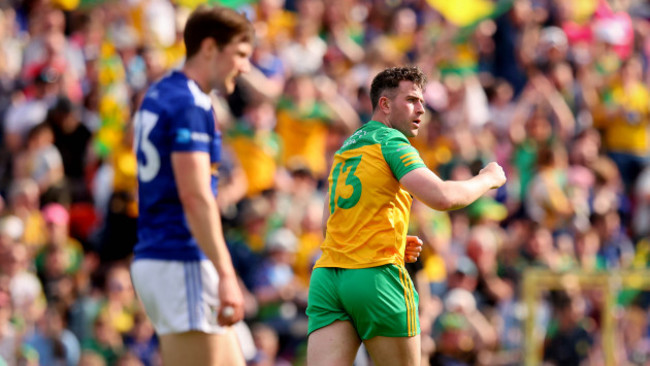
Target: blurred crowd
555, 91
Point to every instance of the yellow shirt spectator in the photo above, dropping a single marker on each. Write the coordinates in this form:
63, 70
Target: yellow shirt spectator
304, 135
627, 131
258, 153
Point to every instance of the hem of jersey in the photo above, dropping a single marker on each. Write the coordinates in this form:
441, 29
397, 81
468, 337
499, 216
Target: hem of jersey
360, 266
193, 148
171, 256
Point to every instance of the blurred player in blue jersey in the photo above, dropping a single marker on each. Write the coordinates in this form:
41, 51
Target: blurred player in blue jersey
182, 270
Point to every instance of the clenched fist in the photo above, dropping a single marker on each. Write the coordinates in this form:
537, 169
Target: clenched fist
413, 249
495, 173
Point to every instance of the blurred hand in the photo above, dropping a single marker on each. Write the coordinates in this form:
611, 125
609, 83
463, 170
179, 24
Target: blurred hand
487, 264
543, 85
530, 94
325, 87
413, 249
496, 173
288, 292
230, 295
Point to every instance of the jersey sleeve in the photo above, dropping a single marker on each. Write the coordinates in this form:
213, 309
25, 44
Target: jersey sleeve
192, 129
400, 155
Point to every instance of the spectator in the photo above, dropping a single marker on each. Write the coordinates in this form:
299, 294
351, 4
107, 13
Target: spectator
54, 343
461, 332
9, 340
142, 341
71, 138
120, 305
623, 118
42, 162
25, 114
281, 297
24, 286
24, 203
59, 243
267, 344
257, 147
106, 341
302, 120
568, 337
90, 358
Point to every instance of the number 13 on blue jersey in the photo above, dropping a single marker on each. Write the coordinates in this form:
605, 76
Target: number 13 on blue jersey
144, 123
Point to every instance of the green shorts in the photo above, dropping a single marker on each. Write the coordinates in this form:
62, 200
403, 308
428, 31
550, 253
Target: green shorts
379, 301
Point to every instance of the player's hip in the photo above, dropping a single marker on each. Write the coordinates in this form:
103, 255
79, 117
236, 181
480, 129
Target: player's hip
378, 300
178, 296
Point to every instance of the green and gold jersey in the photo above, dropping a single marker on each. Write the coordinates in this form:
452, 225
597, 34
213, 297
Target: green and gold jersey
369, 209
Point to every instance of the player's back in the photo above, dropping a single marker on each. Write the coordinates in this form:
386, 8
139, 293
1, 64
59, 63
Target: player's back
368, 207
175, 116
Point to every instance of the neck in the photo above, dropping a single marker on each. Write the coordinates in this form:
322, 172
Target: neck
197, 73
381, 118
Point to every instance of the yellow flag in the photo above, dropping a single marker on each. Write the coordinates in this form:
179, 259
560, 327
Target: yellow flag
66, 5
583, 10
463, 12
190, 4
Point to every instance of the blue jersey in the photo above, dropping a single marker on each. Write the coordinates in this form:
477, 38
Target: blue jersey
175, 116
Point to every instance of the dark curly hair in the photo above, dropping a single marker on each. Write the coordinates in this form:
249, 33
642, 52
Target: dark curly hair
389, 79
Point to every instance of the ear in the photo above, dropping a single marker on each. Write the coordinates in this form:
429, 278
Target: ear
384, 104
208, 45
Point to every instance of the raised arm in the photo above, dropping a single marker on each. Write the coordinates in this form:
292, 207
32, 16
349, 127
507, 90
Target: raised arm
344, 114
441, 195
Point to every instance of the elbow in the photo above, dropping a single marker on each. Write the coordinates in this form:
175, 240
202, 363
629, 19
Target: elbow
451, 207
444, 205
194, 202
445, 202
448, 203
441, 205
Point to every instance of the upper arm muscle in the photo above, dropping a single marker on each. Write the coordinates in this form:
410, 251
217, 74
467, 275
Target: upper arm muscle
191, 172
426, 186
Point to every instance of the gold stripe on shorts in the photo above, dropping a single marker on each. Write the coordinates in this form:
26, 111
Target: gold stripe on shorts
414, 315
406, 299
410, 302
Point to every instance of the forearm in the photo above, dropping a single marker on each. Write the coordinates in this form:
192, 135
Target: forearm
562, 113
463, 193
192, 175
266, 295
485, 331
345, 114
498, 288
13, 142
263, 86
234, 190
452, 195
204, 221
350, 49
